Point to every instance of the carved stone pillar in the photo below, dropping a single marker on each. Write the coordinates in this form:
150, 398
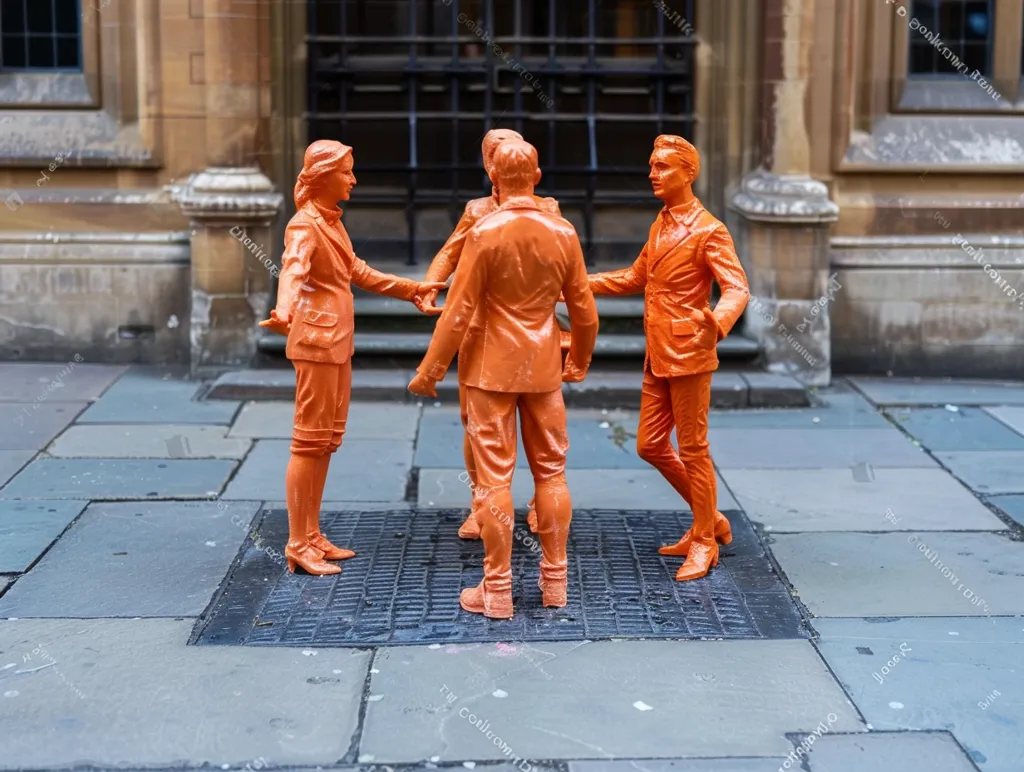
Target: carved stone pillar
232, 213
781, 215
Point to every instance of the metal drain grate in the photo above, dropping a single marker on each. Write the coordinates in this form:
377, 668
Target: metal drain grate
403, 586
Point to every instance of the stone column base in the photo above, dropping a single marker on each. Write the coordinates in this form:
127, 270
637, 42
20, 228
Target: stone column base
232, 211
781, 227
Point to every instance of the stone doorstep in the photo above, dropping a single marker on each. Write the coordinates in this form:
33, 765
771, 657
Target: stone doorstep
606, 389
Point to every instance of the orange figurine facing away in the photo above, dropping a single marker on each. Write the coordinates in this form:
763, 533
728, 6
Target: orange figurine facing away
687, 249
444, 265
500, 318
315, 311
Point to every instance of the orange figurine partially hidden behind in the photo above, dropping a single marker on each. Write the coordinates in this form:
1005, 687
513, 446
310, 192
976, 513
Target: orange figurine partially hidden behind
315, 310
500, 318
687, 249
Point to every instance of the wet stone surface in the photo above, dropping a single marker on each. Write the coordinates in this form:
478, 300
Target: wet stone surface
403, 586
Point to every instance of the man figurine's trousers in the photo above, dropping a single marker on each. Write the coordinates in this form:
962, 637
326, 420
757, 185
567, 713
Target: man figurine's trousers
681, 403
491, 430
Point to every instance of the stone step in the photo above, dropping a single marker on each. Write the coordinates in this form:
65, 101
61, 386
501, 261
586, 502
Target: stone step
729, 389
401, 343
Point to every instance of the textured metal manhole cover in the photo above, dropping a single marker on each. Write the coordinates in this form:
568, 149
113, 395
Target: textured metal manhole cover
403, 586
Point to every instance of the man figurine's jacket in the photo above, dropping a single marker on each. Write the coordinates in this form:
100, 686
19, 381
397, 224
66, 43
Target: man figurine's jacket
500, 307
447, 259
687, 248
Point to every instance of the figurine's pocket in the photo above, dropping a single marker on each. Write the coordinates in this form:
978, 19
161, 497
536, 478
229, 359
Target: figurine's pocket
317, 328
683, 327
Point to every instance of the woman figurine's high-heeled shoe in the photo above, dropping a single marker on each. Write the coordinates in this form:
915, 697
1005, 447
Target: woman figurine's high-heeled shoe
331, 552
310, 559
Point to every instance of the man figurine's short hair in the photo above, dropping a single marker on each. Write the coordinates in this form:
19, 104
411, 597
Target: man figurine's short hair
515, 164
687, 153
493, 139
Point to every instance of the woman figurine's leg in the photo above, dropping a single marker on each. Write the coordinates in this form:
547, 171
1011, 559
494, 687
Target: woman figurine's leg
316, 386
316, 537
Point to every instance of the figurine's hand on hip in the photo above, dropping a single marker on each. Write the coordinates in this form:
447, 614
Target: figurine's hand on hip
425, 296
423, 385
714, 334
571, 373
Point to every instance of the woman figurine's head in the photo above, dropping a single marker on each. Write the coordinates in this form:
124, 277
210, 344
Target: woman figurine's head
326, 173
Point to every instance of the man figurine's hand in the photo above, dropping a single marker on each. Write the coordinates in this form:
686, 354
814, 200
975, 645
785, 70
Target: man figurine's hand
278, 322
571, 373
423, 385
711, 332
425, 296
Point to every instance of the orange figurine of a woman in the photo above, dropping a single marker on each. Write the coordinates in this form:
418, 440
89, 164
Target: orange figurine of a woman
315, 311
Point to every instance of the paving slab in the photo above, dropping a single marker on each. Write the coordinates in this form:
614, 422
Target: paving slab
915, 391
156, 395
731, 764
366, 421
778, 686
589, 488
148, 441
838, 411
80, 382
11, 462
1011, 416
135, 559
27, 528
813, 449
947, 681
5, 582
775, 390
361, 470
889, 575
31, 426
1011, 505
936, 751
987, 471
129, 693
858, 499
968, 428
119, 479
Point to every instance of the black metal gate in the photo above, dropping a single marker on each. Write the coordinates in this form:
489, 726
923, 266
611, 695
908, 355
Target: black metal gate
413, 85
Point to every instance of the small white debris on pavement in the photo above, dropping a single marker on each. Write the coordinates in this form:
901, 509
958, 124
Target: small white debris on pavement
499, 693
639, 705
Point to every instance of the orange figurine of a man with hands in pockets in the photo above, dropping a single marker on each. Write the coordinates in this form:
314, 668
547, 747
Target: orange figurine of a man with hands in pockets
687, 249
315, 310
500, 318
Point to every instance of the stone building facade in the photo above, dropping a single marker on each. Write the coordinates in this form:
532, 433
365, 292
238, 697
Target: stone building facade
866, 154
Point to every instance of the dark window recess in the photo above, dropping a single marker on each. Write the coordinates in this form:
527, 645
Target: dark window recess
40, 35
965, 30
413, 85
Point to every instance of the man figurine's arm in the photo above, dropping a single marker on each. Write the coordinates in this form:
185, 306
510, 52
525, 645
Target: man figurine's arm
625, 281
721, 258
583, 321
453, 323
372, 280
447, 259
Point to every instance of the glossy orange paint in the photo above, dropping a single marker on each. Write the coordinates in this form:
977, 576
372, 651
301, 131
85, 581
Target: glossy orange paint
687, 250
500, 318
443, 266
315, 311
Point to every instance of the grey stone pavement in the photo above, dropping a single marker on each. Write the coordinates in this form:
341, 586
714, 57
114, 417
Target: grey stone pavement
893, 508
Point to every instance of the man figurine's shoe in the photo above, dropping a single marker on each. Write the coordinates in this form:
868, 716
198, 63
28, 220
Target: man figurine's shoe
330, 551
723, 535
476, 600
553, 592
471, 528
702, 558
310, 559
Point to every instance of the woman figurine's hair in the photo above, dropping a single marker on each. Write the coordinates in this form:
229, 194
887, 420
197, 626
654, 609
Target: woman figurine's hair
322, 157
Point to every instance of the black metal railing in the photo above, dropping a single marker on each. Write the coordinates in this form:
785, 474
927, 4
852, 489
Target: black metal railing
413, 85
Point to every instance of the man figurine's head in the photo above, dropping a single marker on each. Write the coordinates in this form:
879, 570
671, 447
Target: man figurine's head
514, 169
674, 166
492, 139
